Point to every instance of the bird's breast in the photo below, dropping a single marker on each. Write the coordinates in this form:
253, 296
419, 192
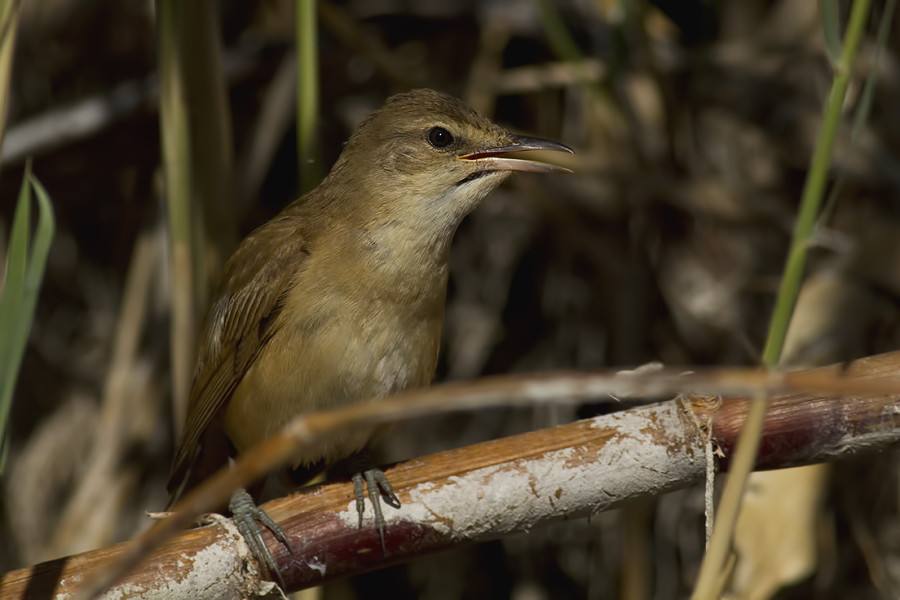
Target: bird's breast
334, 347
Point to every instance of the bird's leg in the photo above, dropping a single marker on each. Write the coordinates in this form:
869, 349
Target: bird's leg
371, 478
247, 517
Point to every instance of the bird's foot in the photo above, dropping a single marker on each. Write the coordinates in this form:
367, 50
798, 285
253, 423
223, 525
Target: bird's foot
376, 482
247, 517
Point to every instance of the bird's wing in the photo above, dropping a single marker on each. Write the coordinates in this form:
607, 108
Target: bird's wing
254, 285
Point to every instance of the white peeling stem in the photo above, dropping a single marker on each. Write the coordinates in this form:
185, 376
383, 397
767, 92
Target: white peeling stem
472, 493
622, 456
495, 488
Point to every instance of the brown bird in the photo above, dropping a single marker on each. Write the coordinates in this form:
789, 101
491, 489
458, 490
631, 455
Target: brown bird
340, 298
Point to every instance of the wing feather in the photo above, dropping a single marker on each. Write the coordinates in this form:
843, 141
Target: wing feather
255, 282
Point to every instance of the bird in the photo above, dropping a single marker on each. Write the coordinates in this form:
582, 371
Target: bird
340, 298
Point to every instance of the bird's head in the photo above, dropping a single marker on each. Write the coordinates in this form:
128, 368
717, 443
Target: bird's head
426, 160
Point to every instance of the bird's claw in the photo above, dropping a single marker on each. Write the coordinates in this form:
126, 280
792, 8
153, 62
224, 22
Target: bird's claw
376, 482
246, 517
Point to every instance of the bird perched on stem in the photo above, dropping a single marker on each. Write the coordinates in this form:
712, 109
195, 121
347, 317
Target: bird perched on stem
340, 298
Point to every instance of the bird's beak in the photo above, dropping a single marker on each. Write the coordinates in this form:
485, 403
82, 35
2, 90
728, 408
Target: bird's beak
491, 159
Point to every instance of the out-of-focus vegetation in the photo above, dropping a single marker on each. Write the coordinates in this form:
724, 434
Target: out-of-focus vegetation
694, 124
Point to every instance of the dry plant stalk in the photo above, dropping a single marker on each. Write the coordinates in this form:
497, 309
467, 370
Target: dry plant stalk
494, 488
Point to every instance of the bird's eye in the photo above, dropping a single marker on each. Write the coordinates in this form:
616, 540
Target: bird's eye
439, 137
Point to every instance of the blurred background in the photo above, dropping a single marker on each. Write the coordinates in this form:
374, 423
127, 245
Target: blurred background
693, 124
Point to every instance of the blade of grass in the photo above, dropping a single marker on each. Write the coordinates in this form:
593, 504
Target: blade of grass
9, 27
865, 100
12, 299
863, 109
831, 28
21, 290
40, 250
175, 133
814, 187
745, 455
307, 95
